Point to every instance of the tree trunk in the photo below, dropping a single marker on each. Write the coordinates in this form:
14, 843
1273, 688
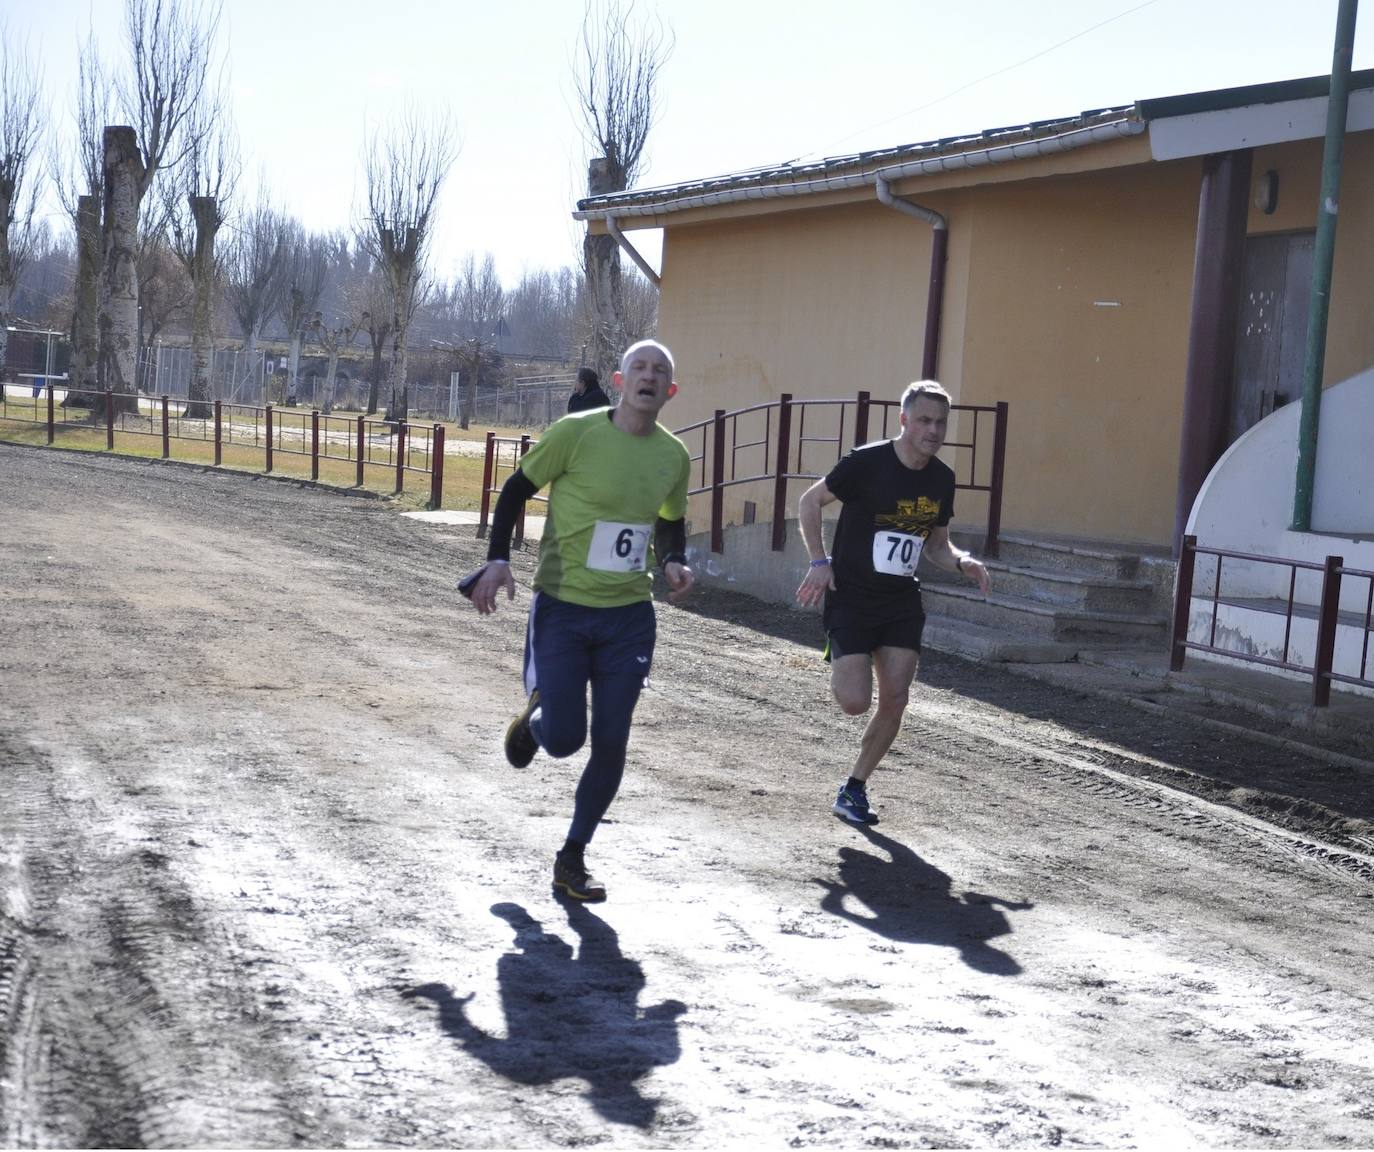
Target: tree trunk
118, 319
293, 369
6, 282
206, 213
83, 372
374, 388
398, 409
470, 393
601, 264
329, 371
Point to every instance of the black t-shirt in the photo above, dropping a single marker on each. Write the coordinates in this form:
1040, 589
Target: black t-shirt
888, 511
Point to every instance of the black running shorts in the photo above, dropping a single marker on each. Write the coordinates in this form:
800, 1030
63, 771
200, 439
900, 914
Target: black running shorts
859, 628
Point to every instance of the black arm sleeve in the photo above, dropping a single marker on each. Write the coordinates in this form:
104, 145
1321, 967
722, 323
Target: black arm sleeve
514, 493
670, 541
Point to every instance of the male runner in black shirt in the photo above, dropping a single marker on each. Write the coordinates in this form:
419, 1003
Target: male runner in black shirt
897, 502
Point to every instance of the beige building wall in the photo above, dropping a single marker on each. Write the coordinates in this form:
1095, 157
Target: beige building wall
1067, 296
1079, 296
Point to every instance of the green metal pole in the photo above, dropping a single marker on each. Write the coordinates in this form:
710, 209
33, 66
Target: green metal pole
1324, 251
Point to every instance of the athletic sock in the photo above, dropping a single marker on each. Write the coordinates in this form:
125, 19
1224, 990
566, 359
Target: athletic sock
853, 785
572, 848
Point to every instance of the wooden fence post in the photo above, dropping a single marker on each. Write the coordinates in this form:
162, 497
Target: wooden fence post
314, 444
718, 482
436, 468
219, 431
109, 419
166, 427
362, 446
780, 472
1326, 631
268, 411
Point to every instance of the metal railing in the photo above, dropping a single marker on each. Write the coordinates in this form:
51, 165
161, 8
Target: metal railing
377, 444
770, 445
1327, 612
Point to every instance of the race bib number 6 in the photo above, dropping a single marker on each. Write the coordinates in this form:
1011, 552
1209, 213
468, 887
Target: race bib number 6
618, 547
896, 553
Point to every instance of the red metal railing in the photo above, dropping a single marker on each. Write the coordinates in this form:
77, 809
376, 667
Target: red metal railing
785, 440
503, 456
1327, 612
403, 448
773, 445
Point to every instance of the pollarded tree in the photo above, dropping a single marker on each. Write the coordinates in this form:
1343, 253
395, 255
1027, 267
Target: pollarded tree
405, 166
171, 45
197, 198
617, 86
79, 168
21, 118
305, 269
333, 340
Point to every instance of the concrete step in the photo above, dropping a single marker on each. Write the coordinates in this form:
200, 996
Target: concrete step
1096, 594
978, 642
1067, 556
1026, 619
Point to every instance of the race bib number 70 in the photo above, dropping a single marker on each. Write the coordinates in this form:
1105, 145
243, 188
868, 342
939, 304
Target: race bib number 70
618, 547
896, 553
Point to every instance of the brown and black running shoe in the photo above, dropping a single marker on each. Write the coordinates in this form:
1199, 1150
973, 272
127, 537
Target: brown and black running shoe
520, 742
571, 878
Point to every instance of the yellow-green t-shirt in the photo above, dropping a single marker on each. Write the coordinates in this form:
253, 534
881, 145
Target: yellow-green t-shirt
606, 489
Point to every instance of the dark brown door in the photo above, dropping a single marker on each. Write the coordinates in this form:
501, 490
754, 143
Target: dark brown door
1271, 341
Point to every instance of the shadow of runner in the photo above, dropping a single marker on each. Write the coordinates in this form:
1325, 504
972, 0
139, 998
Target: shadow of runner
569, 1016
910, 900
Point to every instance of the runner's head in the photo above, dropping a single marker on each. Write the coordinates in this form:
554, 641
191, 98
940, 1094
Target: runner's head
925, 417
926, 388
645, 378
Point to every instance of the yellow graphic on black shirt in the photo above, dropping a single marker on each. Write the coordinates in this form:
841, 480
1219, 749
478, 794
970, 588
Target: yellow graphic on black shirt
914, 517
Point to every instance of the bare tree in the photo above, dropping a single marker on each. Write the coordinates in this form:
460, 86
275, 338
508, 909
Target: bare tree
21, 116
640, 299
541, 311
617, 76
197, 199
305, 268
370, 298
79, 177
253, 265
332, 340
478, 307
405, 166
171, 45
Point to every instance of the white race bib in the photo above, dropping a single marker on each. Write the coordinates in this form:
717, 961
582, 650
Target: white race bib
618, 547
896, 553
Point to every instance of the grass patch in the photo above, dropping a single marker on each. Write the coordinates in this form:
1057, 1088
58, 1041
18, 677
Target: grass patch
462, 474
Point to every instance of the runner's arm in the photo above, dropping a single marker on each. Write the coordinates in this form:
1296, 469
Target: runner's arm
670, 546
483, 585
819, 575
943, 554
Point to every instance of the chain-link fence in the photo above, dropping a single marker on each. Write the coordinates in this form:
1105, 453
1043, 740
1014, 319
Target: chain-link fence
236, 375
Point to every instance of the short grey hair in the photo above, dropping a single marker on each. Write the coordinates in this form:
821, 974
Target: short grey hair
925, 390
639, 347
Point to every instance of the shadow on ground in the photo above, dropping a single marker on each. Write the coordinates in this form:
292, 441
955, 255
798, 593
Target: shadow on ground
903, 898
571, 1013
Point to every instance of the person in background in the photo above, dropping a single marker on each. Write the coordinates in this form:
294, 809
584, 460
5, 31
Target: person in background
587, 392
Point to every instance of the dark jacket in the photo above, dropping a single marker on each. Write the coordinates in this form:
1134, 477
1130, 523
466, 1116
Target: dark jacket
590, 397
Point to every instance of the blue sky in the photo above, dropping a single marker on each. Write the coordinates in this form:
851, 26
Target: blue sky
749, 82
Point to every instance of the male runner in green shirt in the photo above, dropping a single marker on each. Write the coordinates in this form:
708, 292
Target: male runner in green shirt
617, 487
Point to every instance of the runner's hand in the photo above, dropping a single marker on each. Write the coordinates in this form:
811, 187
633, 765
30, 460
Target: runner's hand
817, 580
974, 569
492, 578
680, 580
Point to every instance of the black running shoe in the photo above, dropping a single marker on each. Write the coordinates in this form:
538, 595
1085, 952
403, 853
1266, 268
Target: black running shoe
853, 806
520, 742
571, 878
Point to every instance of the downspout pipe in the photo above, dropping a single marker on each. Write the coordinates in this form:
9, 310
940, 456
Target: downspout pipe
935, 293
631, 251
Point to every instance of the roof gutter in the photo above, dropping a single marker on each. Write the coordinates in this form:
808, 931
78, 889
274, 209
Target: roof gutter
951, 162
935, 291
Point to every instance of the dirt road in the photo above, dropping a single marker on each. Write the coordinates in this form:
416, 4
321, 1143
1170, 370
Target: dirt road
266, 880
